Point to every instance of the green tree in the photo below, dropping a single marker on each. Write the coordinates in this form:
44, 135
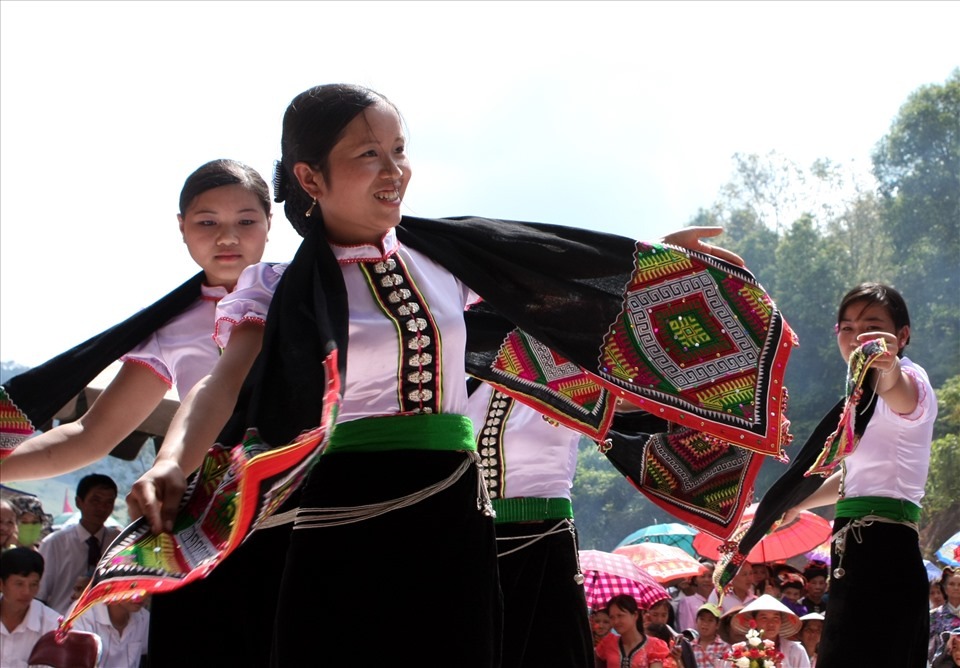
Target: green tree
917, 165
607, 507
941, 501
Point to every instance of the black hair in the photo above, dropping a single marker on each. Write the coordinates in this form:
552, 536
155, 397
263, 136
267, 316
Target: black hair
886, 296
20, 561
223, 172
814, 569
88, 482
789, 584
313, 123
628, 603
661, 631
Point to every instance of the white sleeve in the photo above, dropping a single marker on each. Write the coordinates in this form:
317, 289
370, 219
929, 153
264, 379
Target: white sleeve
249, 301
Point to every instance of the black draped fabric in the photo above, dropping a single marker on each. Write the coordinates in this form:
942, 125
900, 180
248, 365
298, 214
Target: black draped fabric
43, 390
541, 278
544, 608
794, 485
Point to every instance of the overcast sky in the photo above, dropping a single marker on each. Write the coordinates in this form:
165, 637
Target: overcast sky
615, 116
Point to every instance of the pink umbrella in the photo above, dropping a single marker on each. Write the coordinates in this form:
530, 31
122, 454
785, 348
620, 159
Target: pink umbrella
607, 575
664, 563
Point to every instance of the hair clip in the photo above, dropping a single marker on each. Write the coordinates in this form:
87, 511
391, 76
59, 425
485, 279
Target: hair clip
279, 182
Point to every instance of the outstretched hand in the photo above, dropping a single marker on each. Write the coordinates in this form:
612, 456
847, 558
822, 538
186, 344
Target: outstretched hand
791, 515
156, 495
691, 239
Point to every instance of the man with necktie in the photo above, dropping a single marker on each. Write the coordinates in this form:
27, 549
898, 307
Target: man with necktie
74, 550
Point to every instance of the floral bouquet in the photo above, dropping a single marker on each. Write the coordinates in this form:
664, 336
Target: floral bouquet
755, 651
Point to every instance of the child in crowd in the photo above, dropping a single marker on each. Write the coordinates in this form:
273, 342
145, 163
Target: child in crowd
600, 625
709, 649
792, 587
23, 619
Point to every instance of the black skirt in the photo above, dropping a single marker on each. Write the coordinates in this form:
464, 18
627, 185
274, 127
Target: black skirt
545, 620
878, 614
418, 583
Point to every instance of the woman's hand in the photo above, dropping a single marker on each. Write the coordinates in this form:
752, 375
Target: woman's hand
888, 362
791, 515
156, 495
690, 238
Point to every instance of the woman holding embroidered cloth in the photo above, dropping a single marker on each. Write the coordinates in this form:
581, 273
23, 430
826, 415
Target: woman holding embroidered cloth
394, 512
877, 492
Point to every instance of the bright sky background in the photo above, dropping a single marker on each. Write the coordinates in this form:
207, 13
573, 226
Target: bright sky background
617, 116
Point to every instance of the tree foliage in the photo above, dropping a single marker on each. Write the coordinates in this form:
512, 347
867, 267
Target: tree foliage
917, 166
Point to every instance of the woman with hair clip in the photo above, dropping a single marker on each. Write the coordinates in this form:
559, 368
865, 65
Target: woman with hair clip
394, 511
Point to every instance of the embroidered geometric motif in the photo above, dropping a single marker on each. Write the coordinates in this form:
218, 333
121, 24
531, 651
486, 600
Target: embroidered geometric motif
536, 375
234, 492
701, 479
703, 343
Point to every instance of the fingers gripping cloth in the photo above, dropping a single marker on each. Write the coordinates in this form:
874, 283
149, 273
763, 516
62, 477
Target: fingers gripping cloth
842, 442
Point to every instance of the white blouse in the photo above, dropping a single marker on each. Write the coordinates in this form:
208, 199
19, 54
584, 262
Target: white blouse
537, 458
377, 356
183, 350
893, 456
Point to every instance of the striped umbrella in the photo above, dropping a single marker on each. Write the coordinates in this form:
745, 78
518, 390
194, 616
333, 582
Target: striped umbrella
607, 575
664, 563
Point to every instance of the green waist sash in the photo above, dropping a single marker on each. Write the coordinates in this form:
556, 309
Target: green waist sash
532, 509
445, 431
898, 510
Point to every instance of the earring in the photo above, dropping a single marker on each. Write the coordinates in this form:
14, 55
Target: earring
310, 210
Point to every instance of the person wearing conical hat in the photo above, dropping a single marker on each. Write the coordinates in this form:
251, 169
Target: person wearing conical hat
778, 623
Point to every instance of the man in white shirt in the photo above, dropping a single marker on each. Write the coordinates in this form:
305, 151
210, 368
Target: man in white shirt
123, 628
74, 550
23, 619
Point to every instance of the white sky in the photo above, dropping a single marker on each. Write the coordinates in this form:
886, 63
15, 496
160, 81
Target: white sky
617, 116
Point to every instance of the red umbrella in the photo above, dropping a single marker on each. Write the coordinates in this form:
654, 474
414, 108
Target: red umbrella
664, 563
804, 533
606, 575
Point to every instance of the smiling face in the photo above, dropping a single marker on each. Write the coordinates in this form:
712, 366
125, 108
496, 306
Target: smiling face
225, 230
860, 317
770, 622
367, 174
622, 620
